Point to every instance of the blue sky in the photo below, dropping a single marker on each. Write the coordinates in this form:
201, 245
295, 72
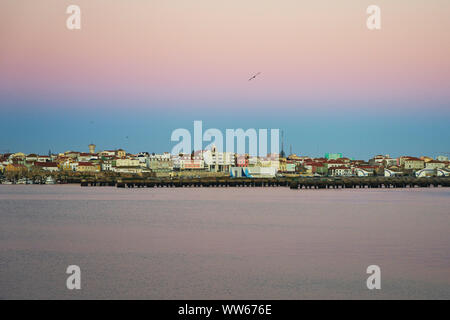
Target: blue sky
358, 135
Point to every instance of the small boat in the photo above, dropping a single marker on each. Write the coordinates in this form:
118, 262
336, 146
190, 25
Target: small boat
22, 181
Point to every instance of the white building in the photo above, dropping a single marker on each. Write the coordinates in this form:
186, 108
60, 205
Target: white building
391, 173
434, 164
160, 157
383, 160
218, 161
128, 163
426, 173
160, 162
108, 153
253, 172
143, 157
341, 171
43, 159
187, 161
363, 172
107, 165
73, 166
31, 157
86, 157
129, 169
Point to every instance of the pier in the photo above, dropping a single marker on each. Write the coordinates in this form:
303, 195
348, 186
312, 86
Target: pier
292, 183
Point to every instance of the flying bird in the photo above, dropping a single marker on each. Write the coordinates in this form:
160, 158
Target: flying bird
254, 76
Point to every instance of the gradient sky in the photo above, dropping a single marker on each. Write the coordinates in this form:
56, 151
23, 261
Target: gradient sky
138, 69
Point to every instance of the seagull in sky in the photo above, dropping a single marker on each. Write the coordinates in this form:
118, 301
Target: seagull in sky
254, 76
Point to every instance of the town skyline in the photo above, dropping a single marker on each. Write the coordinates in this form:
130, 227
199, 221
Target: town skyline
215, 162
287, 151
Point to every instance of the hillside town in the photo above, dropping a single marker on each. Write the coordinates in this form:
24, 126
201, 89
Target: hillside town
21, 168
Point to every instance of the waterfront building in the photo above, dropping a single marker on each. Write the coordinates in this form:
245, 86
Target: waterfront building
253, 172
132, 169
335, 163
382, 160
107, 163
18, 156
365, 171
443, 172
84, 157
107, 153
187, 161
216, 161
282, 164
143, 157
126, 162
252, 161
291, 166
242, 160
72, 154
87, 167
65, 164
392, 172
32, 157
315, 167
160, 162
340, 171
120, 153
426, 173
298, 161
442, 158
426, 159
434, 164
412, 163
43, 159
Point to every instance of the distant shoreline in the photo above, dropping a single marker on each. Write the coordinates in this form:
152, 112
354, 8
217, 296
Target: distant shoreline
291, 182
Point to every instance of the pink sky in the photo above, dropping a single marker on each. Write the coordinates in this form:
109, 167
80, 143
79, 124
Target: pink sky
207, 49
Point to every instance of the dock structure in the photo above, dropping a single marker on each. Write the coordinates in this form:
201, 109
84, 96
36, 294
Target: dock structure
369, 182
292, 183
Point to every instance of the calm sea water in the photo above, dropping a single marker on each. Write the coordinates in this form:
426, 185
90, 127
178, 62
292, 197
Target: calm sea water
223, 243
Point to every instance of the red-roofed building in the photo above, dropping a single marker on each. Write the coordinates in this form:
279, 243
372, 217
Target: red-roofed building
315, 167
335, 163
435, 164
242, 160
87, 167
412, 163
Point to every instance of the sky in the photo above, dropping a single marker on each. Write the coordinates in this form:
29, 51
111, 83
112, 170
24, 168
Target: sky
137, 70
